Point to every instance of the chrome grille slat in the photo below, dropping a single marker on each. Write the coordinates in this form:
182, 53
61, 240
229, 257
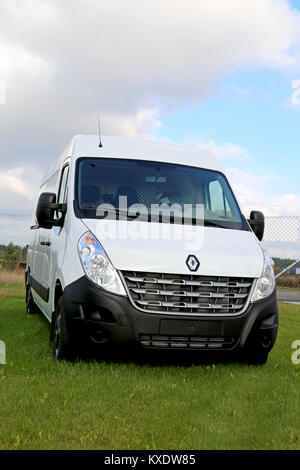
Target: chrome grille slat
189, 283
157, 303
174, 293
187, 294
186, 342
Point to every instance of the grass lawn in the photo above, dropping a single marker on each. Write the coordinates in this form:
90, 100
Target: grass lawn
142, 404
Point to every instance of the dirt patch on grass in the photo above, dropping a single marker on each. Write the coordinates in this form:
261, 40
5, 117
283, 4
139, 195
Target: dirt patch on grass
12, 277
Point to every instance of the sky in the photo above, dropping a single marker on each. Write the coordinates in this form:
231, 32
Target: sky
221, 75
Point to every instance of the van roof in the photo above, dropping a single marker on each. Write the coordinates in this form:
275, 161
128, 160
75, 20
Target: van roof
120, 147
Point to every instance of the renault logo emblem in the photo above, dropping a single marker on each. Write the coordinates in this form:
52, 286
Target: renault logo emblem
192, 263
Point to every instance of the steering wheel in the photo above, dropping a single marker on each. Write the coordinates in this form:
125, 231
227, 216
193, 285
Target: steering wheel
168, 198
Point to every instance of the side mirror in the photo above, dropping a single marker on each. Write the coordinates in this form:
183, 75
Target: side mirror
257, 223
45, 211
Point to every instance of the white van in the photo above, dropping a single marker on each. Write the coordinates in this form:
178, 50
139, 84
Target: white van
144, 243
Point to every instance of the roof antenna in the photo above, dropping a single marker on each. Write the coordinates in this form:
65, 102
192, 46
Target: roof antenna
100, 143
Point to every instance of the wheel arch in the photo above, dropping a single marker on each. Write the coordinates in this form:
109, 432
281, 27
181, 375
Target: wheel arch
58, 292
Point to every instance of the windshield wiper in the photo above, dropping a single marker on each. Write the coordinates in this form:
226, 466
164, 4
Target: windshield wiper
120, 212
153, 217
209, 223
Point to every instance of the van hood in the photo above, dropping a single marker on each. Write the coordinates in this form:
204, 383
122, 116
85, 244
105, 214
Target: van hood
221, 252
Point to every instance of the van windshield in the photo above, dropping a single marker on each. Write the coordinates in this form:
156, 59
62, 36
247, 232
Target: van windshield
147, 190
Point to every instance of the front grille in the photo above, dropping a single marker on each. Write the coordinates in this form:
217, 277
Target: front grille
186, 342
187, 294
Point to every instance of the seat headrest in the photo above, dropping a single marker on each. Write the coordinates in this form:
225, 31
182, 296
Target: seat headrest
90, 195
128, 191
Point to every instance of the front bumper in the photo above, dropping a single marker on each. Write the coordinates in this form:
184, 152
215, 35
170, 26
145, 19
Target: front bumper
97, 316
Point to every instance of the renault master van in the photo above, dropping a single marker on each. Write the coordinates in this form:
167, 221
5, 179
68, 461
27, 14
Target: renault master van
144, 243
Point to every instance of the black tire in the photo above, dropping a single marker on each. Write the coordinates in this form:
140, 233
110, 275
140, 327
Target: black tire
60, 336
31, 306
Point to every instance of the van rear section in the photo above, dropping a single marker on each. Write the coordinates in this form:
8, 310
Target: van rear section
133, 247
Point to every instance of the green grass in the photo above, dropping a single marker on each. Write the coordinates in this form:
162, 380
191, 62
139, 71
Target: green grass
128, 404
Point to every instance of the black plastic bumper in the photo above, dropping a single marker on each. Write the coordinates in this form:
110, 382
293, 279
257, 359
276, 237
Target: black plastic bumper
100, 317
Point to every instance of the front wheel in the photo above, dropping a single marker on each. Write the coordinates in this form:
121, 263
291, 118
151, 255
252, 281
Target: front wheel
60, 335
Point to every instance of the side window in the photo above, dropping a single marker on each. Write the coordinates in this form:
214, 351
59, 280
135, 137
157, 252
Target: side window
62, 193
218, 201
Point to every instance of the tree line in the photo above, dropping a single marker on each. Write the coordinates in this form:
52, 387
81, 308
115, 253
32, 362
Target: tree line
11, 255
284, 263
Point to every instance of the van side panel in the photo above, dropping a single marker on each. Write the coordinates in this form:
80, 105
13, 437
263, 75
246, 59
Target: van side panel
41, 269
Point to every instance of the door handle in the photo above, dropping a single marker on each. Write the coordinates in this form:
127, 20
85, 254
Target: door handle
45, 243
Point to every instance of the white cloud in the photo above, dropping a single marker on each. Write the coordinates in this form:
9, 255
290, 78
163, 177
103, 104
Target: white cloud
295, 98
252, 190
18, 191
225, 150
18, 187
253, 194
244, 178
12, 181
142, 125
287, 204
63, 62
18, 61
15, 229
2, 92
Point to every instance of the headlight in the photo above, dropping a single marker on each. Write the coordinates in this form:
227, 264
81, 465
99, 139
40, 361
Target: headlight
97, 265
266, 283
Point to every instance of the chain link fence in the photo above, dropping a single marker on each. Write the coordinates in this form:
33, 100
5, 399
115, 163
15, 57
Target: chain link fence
282, 242
13, 251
